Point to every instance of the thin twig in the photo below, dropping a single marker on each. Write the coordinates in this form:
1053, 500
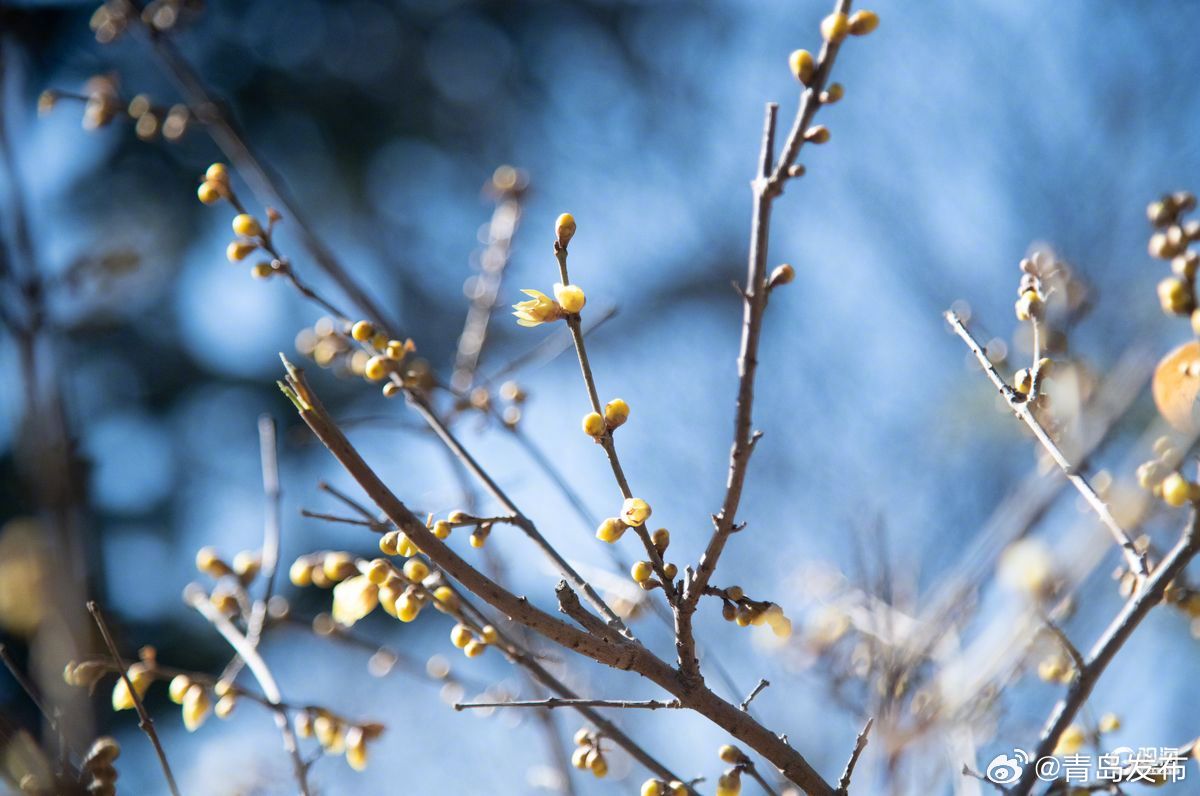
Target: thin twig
624, 655
859, 745
606, 439
211, 112
557, 702
1020, 406
765, 188
27, 686
750, 698
145, 723
1118, 632
194, 596
374, 525
1065, 643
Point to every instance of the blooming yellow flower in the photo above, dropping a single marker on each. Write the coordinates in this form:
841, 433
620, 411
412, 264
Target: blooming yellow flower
569, 297
634, 511
537, 310
353, 599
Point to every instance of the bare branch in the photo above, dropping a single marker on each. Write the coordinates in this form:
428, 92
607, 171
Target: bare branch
194, 596
556, 702
859, 745
1020, 405
145, 723
1118, 632
750, 698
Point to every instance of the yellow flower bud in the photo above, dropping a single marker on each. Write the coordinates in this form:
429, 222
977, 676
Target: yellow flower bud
378, 571
593, 424
376, 368
677, 788
389, 541
1176, 491
802, 65
247, 225
239, 250
262, 271
447, 600
863, 22
670, 570
616, 412
564, 229
300, 572
209, 192
782, 275
818, 134
730, 754
362, 331
210, 563
569, 297
408, 607
1175, 296
416, 570
1071, 741
490, 634
1109, 722
356, 749
1029, 305
635, 511
225, 706
1023, 381
217, 173
835, 27
195, 707
610, 530
661, 539
441, 529
652, 787
833, 94
178, 687
598, 765
338, 565
246, 564
641, 571
474, 648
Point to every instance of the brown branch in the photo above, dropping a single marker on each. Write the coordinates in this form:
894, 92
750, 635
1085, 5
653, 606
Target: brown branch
606, 439
211, 112
194, 596
145, 723
557, 702
627, 656
1118, 632
1020, 406
767, 185
519, 519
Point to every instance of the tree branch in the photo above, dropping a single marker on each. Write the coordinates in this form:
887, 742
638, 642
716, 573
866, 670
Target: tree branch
1019, 405
1110, 643
556, 702
144, 721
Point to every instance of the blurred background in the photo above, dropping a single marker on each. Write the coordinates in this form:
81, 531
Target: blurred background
970, 133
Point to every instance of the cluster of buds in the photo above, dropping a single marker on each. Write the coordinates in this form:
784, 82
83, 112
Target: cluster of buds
634, 513
1031, 294
322, 569
232, 578
481, 527
196, 701
388, 359
1057, 668
616, 412
103, 104
1170, 241
540, 308
473, 642
97, 774
660, 787
745, 612
511, 393
337, 735
587, 755
642, 572
1161, 476
113, 17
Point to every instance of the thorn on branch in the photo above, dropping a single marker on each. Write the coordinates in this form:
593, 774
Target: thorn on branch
762, 684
